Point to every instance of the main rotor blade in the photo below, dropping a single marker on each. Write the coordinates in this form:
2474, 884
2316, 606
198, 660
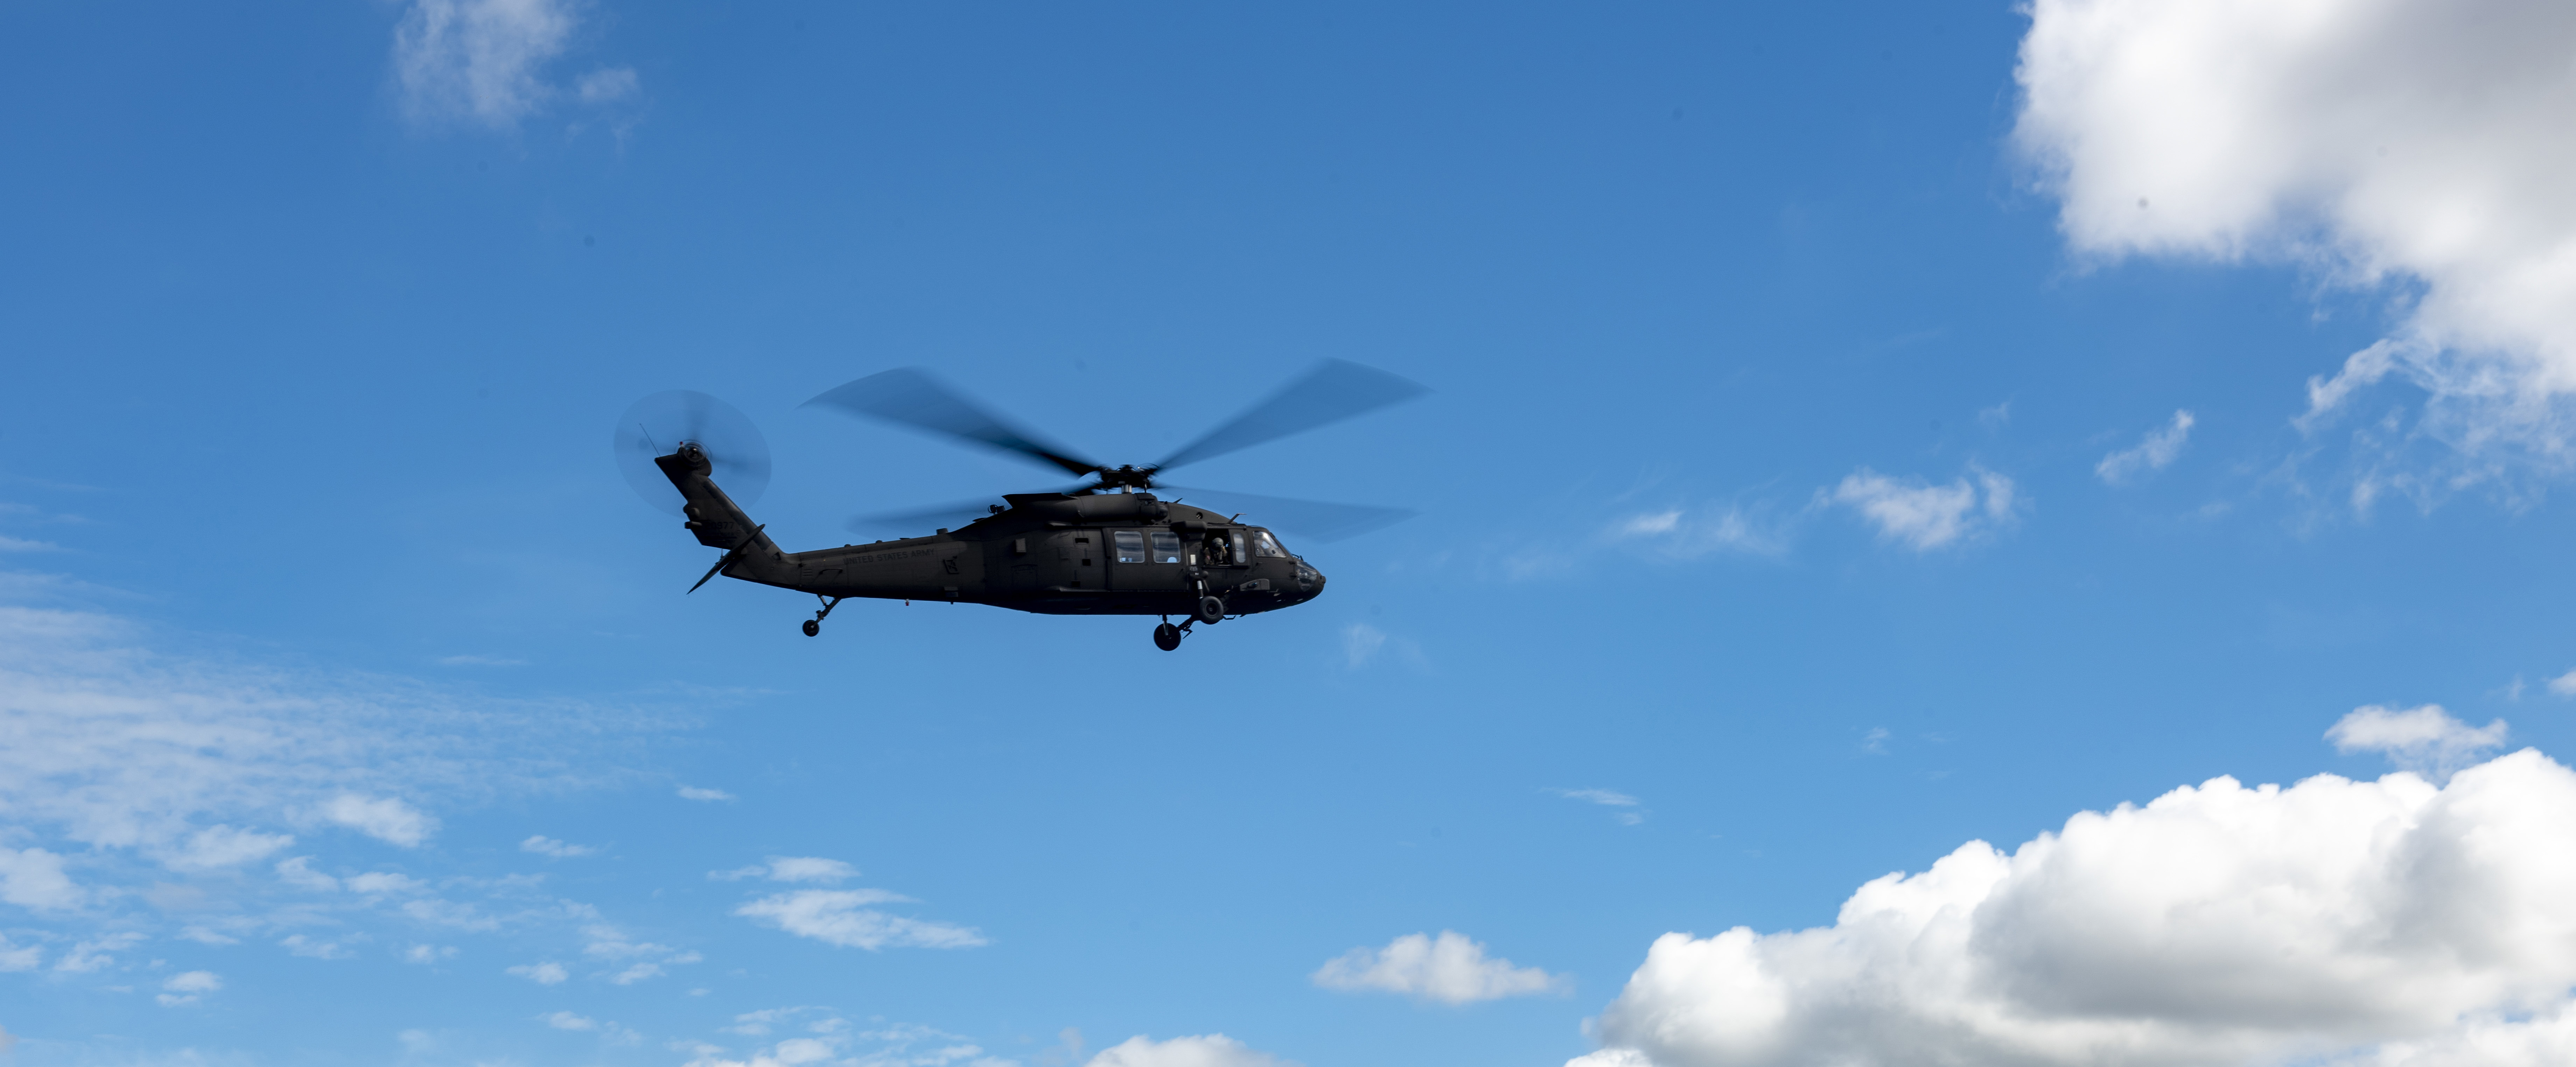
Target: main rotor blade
1332, 392
919, 522
1312, 519
907, 396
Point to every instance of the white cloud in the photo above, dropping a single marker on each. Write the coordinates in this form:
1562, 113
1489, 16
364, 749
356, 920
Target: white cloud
428, 953
541, 973
186, 987
298, 872
809, 869
2425, 740
111, 745
1597, 796
547, 846
1606, 798
564, 1020
1361, 643
691, 792
18, 958
384, 883
34, 878
1450, 968
92, 954
2218, 926
791, 869
478, 60
842, 917
313, 948
609, 84
480, 661
2563, 686
1922, 516
2412, 142
223, 846
1687, 533
1211, 1050
383, 818
2153, 454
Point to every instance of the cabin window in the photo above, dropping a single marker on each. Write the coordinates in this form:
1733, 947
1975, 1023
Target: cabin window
1130, 544
1265, 545
1167, 547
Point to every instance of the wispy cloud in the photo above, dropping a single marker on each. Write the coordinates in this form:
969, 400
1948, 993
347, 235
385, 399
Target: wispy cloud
1631, 815
1689, 533
848, 918
483, 62
2155, 453
547, 846
691, 792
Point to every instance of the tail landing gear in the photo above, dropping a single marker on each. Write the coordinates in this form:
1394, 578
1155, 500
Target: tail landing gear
814, 625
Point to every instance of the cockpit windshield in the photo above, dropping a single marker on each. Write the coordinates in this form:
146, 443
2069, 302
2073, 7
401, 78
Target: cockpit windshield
1265, 545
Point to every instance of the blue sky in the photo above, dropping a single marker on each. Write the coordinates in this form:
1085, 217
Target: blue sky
1825, 469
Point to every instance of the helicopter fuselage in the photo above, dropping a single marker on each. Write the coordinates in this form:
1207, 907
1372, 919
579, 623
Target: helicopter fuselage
1049, 553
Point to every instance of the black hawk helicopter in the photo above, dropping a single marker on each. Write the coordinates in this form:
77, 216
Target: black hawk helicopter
1108, 546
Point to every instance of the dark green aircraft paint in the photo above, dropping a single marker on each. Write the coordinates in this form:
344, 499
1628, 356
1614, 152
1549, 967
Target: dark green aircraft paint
1050, 553
1109, 547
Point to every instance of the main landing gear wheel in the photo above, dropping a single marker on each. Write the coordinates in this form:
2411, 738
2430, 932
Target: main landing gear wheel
812, 627
1167, 637
1211, 610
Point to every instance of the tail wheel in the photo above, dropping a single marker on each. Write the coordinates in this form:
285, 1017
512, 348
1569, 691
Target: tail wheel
1167, 637
1211, 610
812, 627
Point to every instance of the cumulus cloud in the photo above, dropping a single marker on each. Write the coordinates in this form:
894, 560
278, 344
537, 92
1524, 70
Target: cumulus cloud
34, 878
844, 917
564, 1020
547, 846
2155, 453
1210, 1050
2395, 922
2416, 142
2425, 740
1923, 516
1450, 968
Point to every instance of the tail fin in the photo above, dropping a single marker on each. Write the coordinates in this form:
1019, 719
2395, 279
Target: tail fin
713, 516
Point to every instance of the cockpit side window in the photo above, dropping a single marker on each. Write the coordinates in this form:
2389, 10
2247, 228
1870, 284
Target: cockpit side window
1131, 545
1265, 545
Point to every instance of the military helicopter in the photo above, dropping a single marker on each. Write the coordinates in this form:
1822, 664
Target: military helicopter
1107, 546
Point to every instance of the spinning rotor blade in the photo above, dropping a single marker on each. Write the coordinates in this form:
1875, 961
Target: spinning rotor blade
1334, 391
1311, 519
658, 424
920, 521
910, 397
